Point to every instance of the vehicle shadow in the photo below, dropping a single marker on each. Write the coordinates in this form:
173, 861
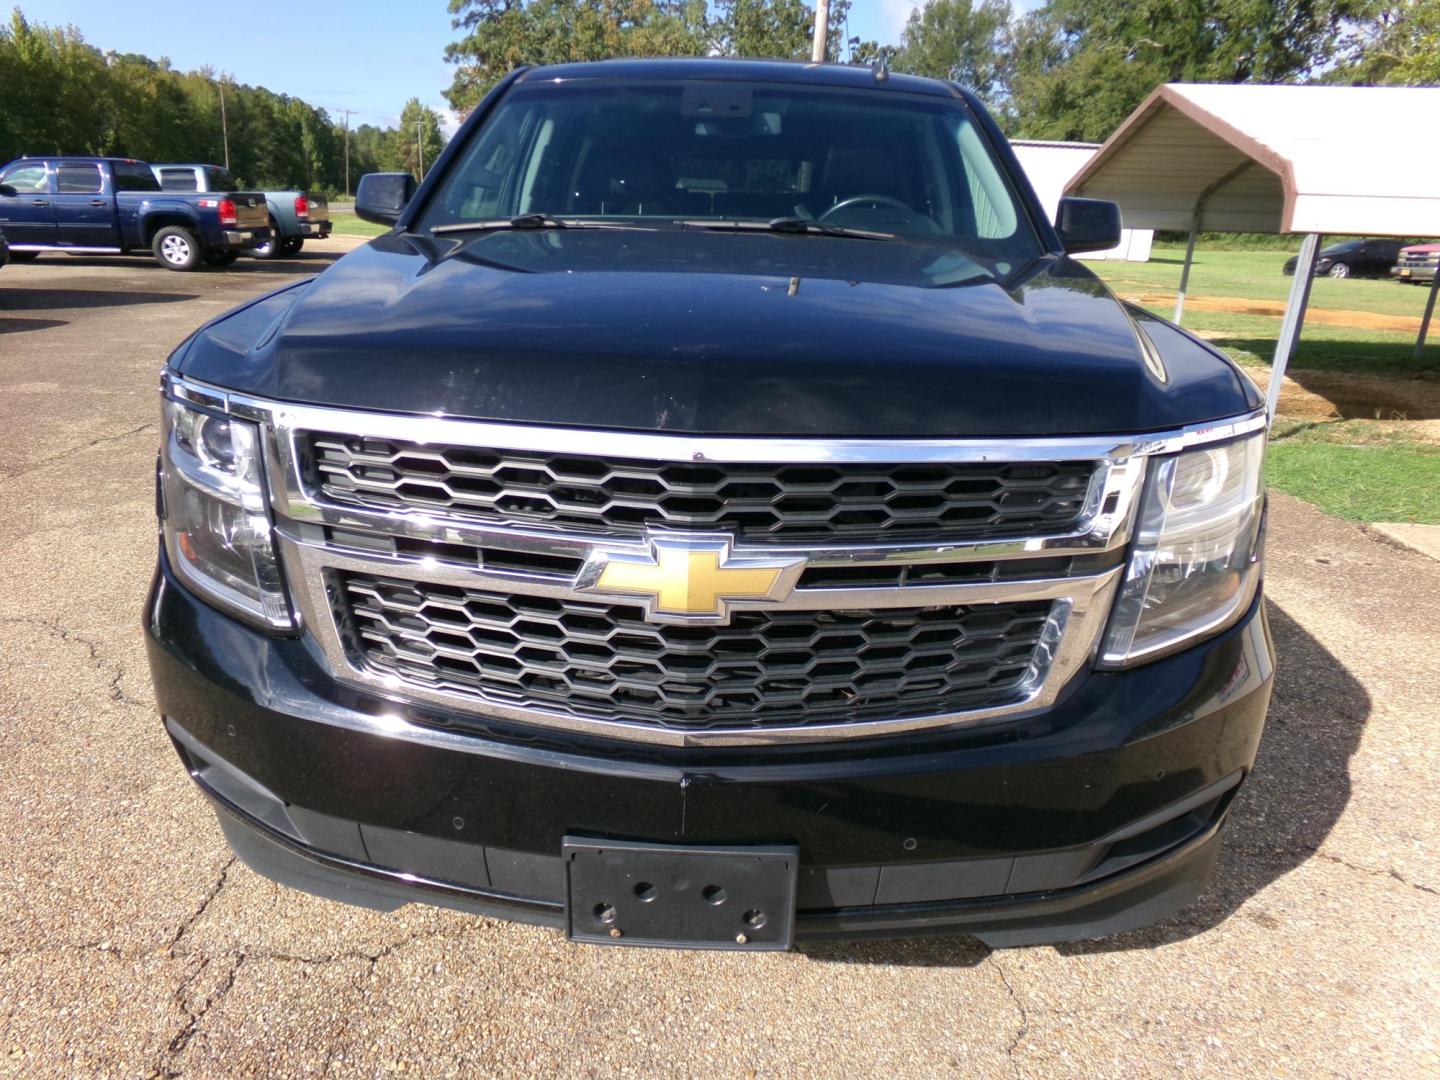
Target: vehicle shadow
1293, 798
63, 299
20, 326
306, 262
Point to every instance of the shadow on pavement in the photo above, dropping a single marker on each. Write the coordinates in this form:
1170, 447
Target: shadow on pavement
1291, 801
20, 326
64, 299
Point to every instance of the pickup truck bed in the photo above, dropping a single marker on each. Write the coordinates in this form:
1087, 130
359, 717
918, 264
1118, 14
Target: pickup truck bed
115, 206
294, 216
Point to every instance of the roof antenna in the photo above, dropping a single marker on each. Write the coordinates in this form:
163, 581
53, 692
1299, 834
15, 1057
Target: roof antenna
880, 69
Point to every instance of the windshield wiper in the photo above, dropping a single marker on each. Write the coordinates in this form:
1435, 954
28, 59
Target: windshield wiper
797, 226
523, 222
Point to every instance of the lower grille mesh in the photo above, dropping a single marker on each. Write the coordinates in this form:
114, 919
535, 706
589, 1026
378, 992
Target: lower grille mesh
767, 668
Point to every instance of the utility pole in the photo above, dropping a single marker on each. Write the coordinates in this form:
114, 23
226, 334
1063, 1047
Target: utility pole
224, 128
822, 29
420, 145
347, 153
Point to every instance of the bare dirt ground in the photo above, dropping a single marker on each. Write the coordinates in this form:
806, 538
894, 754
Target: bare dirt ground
132, 945
1237, 305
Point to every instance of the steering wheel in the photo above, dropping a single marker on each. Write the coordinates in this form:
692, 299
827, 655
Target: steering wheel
882, 200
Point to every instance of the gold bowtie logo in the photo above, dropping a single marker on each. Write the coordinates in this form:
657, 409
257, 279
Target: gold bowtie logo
691, 578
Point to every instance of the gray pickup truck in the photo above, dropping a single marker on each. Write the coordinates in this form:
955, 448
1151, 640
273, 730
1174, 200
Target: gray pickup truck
295, 216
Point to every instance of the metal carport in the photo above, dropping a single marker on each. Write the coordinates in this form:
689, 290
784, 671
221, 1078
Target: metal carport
1275, 159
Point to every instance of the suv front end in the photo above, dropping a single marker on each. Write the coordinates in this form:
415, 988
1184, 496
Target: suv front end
956, 734
626, 573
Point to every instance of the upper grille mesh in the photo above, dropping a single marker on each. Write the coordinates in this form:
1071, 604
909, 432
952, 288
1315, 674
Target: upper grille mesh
849, 502
766, 668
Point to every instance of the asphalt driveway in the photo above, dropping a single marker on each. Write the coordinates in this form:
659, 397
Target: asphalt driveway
132, 945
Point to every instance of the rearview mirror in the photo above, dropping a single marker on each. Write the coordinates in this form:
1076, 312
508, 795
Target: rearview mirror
382, 196
1088, 225
7, 190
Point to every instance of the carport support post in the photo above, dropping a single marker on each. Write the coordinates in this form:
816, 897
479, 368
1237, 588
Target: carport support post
1185, 270
1294, 319
1425, 319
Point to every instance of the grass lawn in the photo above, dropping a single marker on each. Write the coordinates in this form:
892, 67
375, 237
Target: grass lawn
1356, 470
1256, 275
350, 225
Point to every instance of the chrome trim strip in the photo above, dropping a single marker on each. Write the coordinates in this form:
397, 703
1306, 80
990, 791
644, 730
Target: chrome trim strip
728, 448
315, 558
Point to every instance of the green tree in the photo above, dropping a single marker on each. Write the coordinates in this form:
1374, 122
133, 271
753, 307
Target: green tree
964, 42
419, 141
1081, 66
1394, 43
500, 35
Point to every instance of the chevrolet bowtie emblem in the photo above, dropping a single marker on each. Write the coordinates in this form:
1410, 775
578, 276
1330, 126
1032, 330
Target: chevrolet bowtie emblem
690, 578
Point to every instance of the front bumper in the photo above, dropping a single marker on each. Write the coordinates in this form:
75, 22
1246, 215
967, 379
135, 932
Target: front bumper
1413, 273
1098, 815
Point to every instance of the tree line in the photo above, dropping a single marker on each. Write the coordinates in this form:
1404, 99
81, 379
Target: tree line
1070, 69
61, 95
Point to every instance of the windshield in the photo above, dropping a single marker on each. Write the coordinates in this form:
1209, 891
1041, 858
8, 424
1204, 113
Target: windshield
704, 153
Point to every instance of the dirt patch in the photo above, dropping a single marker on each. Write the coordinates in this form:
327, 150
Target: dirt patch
1412, 405
1237, 305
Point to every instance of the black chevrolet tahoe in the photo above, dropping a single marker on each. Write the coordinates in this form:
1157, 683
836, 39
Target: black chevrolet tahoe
718, 513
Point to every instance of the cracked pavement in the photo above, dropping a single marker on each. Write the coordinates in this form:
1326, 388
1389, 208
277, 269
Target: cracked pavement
132, 944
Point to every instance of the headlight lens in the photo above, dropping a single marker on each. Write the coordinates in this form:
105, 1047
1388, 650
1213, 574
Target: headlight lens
1195, 562
216, 528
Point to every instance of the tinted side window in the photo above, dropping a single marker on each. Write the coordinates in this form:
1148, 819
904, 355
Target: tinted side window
177, 180
78, 180
220, 180
132, 176
26, 179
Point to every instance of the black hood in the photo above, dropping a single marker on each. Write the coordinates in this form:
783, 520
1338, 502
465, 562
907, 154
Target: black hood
699, 332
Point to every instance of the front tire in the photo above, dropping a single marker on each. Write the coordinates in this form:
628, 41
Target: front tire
176, 248
1339, 270
272, 248
293, 245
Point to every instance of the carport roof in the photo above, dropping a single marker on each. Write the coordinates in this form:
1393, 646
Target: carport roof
1248, 158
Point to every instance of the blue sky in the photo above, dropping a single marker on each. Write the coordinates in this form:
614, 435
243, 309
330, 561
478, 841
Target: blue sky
369, 55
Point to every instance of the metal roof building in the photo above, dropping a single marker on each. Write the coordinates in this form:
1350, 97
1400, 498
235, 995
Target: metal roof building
1280, 159
1049, 166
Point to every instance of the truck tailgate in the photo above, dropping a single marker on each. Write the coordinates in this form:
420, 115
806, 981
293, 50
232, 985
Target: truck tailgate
319, 207
250, 211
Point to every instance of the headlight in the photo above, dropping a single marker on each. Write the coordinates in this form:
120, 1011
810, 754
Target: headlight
215, 525
1195, 562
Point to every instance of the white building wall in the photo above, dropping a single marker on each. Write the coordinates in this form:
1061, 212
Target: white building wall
1049, 165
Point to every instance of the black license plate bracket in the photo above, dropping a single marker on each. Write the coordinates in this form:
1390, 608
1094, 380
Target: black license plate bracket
680, 896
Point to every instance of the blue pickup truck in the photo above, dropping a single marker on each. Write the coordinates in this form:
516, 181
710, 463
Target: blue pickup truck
295, 216
111, 206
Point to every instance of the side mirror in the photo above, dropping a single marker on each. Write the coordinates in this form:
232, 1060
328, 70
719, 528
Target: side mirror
1088, 225
381, 196
8, 191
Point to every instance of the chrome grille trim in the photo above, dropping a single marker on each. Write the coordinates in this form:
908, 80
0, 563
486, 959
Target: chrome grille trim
316, 538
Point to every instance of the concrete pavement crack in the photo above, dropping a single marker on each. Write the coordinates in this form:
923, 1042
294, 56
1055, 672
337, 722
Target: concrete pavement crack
12, 474
97, 657
194, 1017
1020, 1010
1373, 872
189, 921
